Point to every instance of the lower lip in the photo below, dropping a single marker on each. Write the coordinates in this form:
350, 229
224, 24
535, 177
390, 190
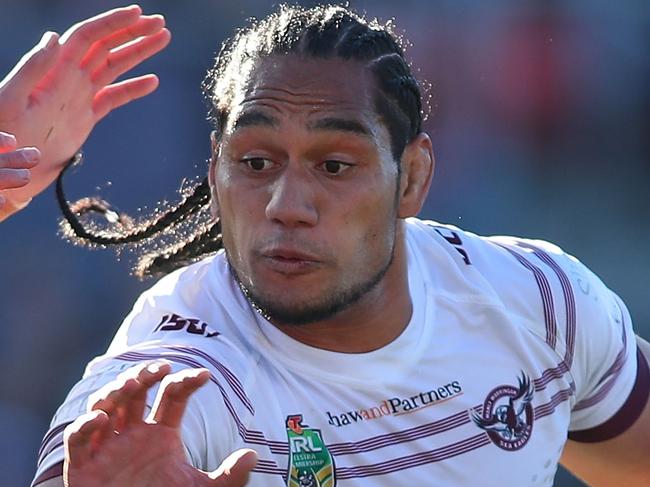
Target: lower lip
289, 266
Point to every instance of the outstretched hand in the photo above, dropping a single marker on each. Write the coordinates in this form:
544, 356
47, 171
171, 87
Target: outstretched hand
113, 446
59, 90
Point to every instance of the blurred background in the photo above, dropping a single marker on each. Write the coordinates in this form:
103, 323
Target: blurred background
540, 114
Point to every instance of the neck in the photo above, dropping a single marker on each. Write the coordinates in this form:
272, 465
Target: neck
373, 322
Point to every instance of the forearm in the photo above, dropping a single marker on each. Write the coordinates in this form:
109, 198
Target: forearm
41, 177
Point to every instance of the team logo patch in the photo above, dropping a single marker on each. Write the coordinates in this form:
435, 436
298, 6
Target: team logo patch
508, 414
310, 463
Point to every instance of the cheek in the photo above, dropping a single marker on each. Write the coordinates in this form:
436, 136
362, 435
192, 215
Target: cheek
369, 228
238, 216
381, 235
227, 214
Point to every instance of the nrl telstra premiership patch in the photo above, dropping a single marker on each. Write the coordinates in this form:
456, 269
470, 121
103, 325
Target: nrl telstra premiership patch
310, 463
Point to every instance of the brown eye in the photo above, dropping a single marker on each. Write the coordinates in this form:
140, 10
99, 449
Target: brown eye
257, 163
335, 167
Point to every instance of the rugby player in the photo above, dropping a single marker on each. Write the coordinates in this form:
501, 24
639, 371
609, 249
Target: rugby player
316, 328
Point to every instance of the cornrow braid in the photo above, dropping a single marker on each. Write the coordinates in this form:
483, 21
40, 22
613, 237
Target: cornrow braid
369, 45
125, 232
319, 32
403, 102
322, 32
199, 197
205, 242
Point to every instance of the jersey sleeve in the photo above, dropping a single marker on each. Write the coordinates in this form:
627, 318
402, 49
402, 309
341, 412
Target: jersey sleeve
598, 346
613, 374
157, 329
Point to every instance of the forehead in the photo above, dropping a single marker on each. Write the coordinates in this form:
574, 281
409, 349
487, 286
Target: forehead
294, 86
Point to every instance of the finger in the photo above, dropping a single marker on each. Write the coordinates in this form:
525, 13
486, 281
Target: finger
14, 178
174, 393
115, 399
78, 39
122, 59
124, 398
109, 397
145, 26
146, 375
235, 469
26, 157
113, 96
79, 435
31, 69
7, 142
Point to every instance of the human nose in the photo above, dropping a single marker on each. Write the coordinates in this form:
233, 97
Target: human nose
292, 201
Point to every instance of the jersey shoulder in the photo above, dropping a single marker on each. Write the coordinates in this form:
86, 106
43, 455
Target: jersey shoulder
462, 263
193, 317
177, 320
197, 301
534, 280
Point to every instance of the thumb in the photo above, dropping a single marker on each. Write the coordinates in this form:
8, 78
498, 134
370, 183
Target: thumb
33, 67
234, 470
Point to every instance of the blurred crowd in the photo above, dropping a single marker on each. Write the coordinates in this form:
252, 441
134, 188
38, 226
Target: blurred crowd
539, 115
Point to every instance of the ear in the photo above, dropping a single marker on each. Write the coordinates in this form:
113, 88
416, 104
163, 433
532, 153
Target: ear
417, 166
214, 200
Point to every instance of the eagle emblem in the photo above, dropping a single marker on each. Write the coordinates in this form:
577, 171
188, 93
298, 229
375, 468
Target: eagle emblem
507, 414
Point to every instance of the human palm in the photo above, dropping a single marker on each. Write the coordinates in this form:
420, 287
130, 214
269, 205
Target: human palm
114, 446
59, 90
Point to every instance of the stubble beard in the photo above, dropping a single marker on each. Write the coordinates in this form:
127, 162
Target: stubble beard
328, 307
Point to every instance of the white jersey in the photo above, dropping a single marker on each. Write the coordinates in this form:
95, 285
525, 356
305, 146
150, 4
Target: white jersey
512, 344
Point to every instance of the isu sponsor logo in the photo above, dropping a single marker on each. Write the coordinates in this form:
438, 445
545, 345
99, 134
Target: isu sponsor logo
194, 326
396, 406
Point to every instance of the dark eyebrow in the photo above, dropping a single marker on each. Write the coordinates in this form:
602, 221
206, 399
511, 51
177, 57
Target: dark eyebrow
254, 119
340, 125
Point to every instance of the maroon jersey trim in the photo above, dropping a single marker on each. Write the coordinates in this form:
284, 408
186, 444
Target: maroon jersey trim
627, 415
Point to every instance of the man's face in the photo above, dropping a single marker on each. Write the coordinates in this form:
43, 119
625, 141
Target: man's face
306, 189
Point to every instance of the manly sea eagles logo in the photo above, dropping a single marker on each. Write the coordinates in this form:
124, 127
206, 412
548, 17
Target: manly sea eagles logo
508, 414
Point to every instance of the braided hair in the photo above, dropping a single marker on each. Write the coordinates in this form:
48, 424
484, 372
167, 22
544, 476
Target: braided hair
318, 32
